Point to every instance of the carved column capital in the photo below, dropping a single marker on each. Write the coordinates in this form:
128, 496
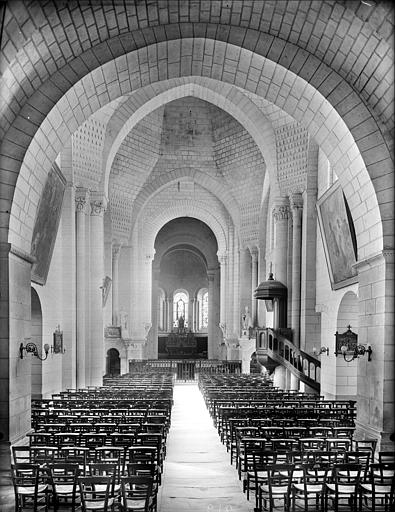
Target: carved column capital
98, 207
254, 254
116, 249
281, 212
296, 201
81, 199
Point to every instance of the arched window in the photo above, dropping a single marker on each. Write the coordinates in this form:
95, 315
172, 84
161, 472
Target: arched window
161, 310
205, 310
180, 308
202, 299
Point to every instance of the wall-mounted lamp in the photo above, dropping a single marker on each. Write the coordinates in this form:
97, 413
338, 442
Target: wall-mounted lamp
31, 348
347, 346
322, 350
359, 350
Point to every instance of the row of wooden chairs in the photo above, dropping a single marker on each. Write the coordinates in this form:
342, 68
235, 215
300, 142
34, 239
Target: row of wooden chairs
82, 436
83, 456
337, 487
61, 484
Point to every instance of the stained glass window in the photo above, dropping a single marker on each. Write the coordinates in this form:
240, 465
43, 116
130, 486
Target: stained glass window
180, 308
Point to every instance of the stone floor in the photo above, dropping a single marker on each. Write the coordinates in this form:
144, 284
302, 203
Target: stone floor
197, 474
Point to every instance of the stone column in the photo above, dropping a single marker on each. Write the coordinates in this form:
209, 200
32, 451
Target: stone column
153, 349
294, 382
69, 358
229, 320
81, 201
245, 283
223, 272
194, 322
375, 378
310, 320
116, 248
210, 341
262, 276
169, 307
280, 214
254, 284
98, 205
279, 377
297, 210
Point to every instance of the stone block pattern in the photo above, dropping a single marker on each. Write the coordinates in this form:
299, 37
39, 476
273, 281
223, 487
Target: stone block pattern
131, 167
87, 147
292, 144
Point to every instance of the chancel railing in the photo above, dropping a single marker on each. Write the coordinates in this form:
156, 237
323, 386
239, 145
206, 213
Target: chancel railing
185, 369
273, 348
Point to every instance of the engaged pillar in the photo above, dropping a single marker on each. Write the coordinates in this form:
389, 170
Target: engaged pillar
254, 284
297, 210
81, 201
97, 359
116, 249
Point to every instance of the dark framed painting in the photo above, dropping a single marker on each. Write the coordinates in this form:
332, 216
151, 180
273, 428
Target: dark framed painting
338, 236
58, 341
47, 223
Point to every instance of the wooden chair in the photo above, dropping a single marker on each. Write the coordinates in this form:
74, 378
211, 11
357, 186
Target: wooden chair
276, 488
365, 444
255, 477
95, 493
147, 470
377, 494
341, 487
137, 494
307, 494
63, 480
21, 454
30, 487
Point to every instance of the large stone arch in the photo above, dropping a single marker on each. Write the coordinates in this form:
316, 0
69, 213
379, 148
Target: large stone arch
185, 208
295, 41
224, 96
151, 190
322, 119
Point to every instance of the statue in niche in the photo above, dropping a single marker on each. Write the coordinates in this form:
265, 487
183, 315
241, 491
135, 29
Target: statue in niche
246, 321
180, 325
124, 321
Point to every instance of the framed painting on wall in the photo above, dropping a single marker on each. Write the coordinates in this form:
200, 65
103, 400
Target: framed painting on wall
47, 223
338, 237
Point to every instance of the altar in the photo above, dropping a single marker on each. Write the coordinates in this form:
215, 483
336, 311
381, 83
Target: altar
184, 345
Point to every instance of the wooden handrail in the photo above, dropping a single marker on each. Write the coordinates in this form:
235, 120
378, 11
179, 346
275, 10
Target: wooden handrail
275, 345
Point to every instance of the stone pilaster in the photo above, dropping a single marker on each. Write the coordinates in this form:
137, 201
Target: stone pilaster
245, 284
254, 284
69, 358
296, 201
81, 202
280, 215
211, 315
169, 314
153, 348
222, 258
116, 249
98, 205
375, 380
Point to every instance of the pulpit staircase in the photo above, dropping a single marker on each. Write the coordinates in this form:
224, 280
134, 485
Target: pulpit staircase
273, 348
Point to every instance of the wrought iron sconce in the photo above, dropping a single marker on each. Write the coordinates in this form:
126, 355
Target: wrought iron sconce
359, 350
347, 346
31, 348
322, 350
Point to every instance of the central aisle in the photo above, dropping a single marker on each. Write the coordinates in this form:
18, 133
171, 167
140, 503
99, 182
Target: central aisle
197, 474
